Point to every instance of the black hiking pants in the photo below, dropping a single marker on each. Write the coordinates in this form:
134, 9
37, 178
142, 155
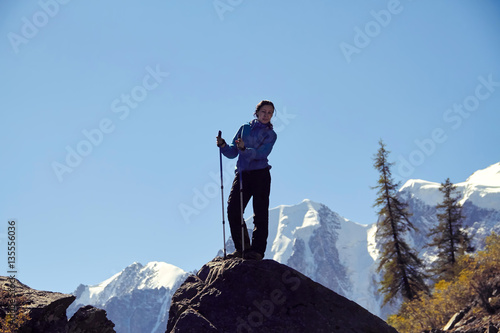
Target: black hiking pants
256, 184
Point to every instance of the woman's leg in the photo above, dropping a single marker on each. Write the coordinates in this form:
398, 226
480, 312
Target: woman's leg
261, 185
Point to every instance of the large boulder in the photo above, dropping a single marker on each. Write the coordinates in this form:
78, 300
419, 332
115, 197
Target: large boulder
235, 295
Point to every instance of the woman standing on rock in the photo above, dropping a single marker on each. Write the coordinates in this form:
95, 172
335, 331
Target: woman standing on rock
252, 144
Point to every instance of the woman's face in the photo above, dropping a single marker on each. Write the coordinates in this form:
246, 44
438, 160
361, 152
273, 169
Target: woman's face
265, 114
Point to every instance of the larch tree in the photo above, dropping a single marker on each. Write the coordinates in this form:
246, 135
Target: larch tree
402, 269
448, 237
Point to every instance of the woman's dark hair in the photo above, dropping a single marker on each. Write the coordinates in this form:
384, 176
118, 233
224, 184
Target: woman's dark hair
261, 104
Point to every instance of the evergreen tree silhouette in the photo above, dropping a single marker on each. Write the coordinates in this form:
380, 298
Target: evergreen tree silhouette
448, 237
401, 267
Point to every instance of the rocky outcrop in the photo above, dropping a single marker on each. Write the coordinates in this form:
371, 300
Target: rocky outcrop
237, 295
89, 319
47, 311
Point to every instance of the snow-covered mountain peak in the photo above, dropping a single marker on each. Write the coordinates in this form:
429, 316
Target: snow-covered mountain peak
294, 222
136, 299
482, 189
426, 191
323, 245
304, 204
98, 288
159, 274
486, 177
153, 275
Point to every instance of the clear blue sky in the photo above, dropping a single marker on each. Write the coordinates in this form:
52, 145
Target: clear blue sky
139, 90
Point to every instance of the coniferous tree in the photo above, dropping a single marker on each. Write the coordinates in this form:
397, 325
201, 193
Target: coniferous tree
448, 237
402, 269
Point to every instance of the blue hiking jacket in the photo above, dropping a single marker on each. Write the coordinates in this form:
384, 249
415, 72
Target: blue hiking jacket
259, 140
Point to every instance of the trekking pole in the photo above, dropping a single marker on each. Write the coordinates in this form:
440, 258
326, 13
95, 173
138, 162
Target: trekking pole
222, 199
242, 219
241, 207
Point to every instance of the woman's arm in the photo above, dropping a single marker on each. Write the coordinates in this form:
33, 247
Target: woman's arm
231, 150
